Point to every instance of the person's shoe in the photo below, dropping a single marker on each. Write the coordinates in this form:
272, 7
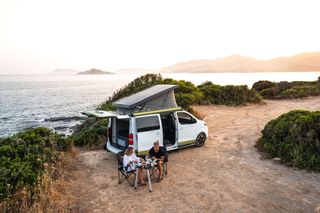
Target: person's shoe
143, 184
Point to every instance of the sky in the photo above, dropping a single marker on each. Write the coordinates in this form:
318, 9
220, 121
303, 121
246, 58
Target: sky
37, 36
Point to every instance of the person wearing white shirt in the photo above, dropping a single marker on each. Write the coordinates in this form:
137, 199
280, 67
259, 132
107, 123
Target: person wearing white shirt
129, 161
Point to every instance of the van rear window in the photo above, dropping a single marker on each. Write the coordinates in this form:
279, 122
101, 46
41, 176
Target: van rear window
147, 123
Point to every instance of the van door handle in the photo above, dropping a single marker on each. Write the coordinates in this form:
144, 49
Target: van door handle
158, 133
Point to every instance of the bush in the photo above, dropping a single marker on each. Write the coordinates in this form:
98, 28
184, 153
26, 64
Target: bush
186, 94
91, 133
267, 93
262, 85
294, 137
228, 95
289, 93
23, 158
283, 85
287, 90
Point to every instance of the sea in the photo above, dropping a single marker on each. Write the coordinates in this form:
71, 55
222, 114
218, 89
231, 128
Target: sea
56, 101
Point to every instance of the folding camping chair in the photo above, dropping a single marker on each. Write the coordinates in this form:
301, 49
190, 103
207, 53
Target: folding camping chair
123, 174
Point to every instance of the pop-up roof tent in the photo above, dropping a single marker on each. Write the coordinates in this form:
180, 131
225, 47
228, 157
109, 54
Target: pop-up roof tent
154, 98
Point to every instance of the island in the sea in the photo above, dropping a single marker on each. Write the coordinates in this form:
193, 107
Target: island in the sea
94, 71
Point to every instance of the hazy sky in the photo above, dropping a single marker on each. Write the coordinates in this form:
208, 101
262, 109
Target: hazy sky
37, 36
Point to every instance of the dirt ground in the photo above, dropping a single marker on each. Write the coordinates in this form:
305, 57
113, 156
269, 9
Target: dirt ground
226, 175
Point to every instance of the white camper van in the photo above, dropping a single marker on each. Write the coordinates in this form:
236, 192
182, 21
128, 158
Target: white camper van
148, 116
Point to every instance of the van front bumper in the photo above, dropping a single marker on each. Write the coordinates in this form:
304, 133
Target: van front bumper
112, 148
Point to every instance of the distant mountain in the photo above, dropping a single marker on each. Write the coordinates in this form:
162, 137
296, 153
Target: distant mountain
237, 63
64, 71
94, 71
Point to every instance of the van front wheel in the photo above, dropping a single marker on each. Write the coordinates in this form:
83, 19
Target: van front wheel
201, 139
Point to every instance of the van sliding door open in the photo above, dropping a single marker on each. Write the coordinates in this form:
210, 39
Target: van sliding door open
149, 130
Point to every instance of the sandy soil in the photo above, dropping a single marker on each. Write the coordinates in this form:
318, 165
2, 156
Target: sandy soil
226, 175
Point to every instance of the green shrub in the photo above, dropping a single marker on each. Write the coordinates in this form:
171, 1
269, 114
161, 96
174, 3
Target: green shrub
294, 137
228, 95
289, 93
91, 133
22, 159
186, 94
287, 90
267, 93
262, 85
283, 85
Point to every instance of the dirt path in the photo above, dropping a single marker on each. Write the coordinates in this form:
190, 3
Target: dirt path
226, 175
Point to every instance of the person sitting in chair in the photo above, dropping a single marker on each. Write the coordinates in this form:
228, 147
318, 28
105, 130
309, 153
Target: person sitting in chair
157, 154
129, 161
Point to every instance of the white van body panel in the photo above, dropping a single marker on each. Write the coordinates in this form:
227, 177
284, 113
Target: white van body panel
145, 139
203, 128
187, 133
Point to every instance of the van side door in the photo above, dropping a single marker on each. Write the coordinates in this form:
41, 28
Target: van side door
149, 130
187, 128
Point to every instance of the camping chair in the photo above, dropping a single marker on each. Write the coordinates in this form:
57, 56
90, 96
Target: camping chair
165, 163
123, 174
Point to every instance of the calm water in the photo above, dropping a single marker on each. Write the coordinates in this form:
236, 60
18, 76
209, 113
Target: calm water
57, 101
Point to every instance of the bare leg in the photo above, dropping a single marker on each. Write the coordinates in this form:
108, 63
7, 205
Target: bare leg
160, 169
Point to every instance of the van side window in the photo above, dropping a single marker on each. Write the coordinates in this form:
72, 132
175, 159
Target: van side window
185, 118
147, 123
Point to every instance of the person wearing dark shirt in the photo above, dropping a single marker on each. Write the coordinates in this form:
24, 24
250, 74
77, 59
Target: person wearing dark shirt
157, 154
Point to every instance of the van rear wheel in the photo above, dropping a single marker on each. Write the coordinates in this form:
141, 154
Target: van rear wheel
201, 139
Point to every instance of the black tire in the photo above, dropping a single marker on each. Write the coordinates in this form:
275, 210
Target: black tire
201, 139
